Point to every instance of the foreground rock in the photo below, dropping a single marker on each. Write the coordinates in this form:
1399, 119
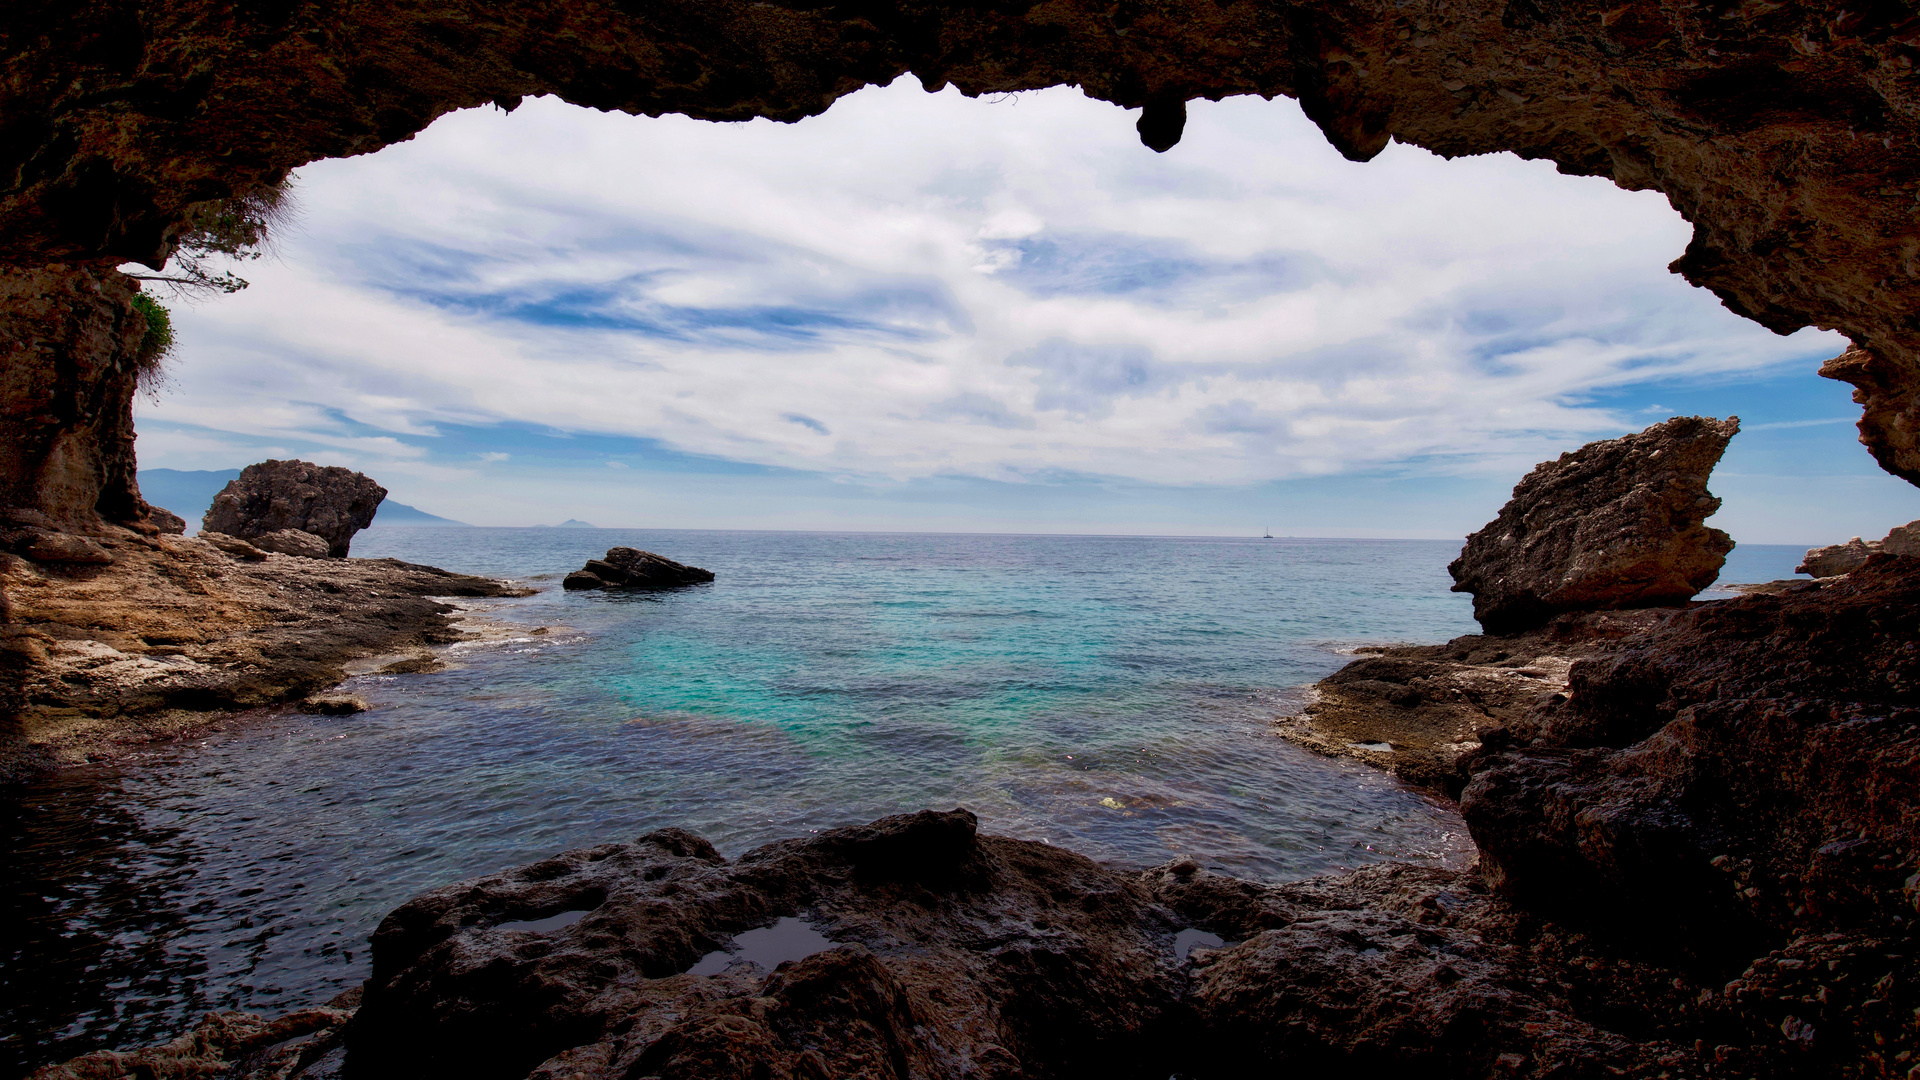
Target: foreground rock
948, 954
273, 498
1615, 524
1836, 559
235, 1044
1744, 774
631, 568
163, 633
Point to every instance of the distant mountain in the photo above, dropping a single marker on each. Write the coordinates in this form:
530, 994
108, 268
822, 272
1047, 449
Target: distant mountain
570, 523
190, 493
394, 513
183, 492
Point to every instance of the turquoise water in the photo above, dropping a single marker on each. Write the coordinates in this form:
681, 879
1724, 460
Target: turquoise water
1112, 695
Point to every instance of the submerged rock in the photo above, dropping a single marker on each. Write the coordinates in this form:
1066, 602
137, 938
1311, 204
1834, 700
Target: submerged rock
331, 503
631, 568
1615, 524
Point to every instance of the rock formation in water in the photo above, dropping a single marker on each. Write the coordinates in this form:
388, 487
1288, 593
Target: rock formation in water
631, 568
1614, 524
273, 497
1836, 559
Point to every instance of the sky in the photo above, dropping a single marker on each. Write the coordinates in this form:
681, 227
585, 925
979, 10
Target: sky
923, 312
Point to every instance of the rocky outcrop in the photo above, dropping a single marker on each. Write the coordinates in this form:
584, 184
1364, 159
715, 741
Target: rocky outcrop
1836, 559
1417, 711
631, 568
162, 634
936, 952
1615, 524
1744, 775
1886, 386
276, 497
293, 542
245, 1046
68, 341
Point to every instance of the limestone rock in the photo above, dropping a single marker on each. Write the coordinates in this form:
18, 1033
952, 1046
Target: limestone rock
166, 520
293, 542
1886, 386
334, 705
176, 633
58, 547
331, 503
1746, 772
1614, 524
631, 568
1835, 559
231, 1044
232, 545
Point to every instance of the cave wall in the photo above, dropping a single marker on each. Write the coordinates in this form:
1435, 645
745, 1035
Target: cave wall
1785, 132
69, 335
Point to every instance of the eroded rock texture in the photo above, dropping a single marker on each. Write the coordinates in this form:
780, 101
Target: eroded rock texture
153, 636
955, 955
68, 337
1786, 132
275, 497
1747, 773
1615, 524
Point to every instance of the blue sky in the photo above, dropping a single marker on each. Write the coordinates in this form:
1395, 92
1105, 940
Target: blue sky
923, 312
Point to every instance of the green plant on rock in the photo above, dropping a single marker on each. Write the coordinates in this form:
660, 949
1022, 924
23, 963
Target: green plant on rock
156, 344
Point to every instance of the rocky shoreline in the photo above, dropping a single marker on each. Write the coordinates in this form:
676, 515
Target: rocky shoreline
1697, 860
171, 633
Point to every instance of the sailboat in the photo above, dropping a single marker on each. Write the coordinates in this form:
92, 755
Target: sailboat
1269, 535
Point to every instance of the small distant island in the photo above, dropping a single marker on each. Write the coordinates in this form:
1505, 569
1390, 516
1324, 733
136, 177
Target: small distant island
570, 523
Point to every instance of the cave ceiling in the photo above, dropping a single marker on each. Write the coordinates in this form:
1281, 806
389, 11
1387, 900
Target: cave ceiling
1785, 133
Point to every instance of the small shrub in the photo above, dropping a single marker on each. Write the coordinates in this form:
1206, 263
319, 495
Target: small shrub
156, 344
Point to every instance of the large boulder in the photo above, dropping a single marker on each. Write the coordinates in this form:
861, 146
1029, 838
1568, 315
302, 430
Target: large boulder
631, 568
331, 503
1615, 524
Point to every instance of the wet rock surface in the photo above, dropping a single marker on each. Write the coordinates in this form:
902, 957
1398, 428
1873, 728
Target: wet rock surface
172, 632
272, 499
1615, 524
631, 568
236, 1044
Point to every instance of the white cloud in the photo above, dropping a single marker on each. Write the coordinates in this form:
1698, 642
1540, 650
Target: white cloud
916, 285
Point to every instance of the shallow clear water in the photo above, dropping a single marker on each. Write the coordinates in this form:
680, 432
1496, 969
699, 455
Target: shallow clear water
1113, 695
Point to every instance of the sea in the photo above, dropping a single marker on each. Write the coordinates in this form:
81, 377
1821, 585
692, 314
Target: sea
1111, 695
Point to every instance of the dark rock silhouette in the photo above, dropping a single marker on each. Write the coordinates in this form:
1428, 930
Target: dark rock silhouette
631, 568
1614, 524
332, 503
